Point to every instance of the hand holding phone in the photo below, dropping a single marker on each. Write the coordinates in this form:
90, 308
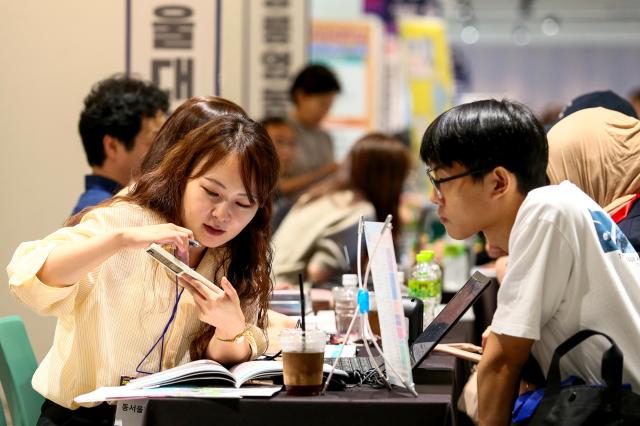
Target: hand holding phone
178, 267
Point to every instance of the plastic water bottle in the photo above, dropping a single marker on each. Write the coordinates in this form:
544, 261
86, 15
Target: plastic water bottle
346, 301
455, 263
426, 284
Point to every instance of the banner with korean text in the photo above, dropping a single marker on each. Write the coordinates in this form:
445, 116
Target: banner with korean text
276, 49
175, 45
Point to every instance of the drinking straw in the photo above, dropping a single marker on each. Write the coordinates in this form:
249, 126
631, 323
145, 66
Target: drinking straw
302, 308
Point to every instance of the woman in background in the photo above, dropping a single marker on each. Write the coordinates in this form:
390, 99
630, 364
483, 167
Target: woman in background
368, 184
598, 150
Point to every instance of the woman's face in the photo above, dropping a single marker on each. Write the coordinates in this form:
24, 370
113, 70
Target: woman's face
216, 206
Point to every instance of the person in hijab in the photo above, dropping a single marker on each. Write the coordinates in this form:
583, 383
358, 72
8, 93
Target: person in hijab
599, 151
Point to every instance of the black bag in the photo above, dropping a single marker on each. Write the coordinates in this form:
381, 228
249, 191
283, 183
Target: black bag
609, 404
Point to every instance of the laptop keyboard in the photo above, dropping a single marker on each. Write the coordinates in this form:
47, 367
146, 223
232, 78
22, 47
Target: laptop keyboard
351, 364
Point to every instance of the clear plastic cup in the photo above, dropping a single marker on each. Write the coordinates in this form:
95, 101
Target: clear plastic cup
302, 358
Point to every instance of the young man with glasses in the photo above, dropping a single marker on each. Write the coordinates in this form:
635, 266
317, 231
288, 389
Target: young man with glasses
570, 267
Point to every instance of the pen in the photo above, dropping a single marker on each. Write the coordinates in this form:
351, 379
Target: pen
193, 243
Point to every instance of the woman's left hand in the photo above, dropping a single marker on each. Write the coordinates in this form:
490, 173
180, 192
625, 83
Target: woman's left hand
219, 310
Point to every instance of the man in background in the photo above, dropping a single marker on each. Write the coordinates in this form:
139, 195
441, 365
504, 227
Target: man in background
313, 91
118, 124
634, 98
284, 138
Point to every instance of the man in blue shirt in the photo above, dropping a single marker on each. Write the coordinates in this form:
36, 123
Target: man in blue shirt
120, 120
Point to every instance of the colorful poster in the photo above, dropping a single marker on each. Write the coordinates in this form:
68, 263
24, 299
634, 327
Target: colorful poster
353, 50
427, 63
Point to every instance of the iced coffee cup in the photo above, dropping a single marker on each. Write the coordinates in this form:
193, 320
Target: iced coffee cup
302, 358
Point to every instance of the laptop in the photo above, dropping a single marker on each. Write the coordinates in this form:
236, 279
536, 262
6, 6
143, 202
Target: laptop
435, 331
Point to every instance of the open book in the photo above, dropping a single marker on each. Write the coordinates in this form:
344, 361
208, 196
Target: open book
206, 372
203, 379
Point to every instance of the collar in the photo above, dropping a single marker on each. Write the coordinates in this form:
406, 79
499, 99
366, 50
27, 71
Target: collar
95, 181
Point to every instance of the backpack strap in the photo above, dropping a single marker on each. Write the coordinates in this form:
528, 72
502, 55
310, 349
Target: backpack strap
611, 368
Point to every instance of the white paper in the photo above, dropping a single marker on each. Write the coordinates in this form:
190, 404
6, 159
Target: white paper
126, 392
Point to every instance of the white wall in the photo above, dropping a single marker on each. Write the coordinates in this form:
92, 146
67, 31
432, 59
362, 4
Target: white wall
52, 52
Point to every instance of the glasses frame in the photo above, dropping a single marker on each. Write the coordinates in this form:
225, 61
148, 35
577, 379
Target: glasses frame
437, 182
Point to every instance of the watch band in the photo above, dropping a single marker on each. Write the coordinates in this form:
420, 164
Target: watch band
240, 337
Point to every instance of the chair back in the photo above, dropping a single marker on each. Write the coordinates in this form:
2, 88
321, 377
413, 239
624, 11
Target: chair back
17, 365
3, 420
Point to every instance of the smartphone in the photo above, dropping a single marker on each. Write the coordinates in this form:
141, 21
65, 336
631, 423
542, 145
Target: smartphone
178, 267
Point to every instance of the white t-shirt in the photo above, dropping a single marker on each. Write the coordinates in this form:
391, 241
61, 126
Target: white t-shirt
571, 268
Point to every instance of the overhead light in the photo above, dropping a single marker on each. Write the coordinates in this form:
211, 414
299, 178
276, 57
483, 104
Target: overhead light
521, 35
470, 34
550, 26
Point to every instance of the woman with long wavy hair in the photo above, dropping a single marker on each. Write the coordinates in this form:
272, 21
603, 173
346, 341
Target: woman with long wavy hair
369, 183
120, 313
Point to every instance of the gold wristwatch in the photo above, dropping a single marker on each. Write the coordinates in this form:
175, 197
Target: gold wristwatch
239, 338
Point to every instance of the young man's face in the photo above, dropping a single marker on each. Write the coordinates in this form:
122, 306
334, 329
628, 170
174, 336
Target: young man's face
313, 108
463, 203
284, 138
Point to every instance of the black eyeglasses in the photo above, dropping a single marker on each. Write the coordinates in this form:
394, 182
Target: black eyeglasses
437, 182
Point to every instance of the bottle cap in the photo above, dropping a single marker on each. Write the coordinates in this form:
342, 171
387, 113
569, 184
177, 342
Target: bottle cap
349, 280
425, 256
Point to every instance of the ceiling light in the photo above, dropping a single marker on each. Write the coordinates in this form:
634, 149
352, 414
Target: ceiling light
550, 26
470, 34
521, 35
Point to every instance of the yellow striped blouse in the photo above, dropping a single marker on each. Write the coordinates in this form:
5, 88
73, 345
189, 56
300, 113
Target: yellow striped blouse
111, 318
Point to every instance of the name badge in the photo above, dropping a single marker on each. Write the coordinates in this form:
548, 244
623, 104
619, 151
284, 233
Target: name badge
131, 413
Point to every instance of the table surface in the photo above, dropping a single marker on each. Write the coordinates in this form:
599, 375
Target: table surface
362, 406
437, 383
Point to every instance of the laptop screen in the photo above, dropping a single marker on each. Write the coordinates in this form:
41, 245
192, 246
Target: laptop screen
448, 317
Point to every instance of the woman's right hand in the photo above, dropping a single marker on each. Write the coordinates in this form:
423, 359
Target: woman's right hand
166, 233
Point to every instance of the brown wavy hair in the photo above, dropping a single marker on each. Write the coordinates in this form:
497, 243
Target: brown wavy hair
189, 115
376, 168
162, 188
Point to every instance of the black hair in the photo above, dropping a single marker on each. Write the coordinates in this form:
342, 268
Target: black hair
116, 107
486, 134
604, 98
314, 79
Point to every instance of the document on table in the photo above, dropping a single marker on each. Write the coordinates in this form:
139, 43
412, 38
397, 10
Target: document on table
126, 392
